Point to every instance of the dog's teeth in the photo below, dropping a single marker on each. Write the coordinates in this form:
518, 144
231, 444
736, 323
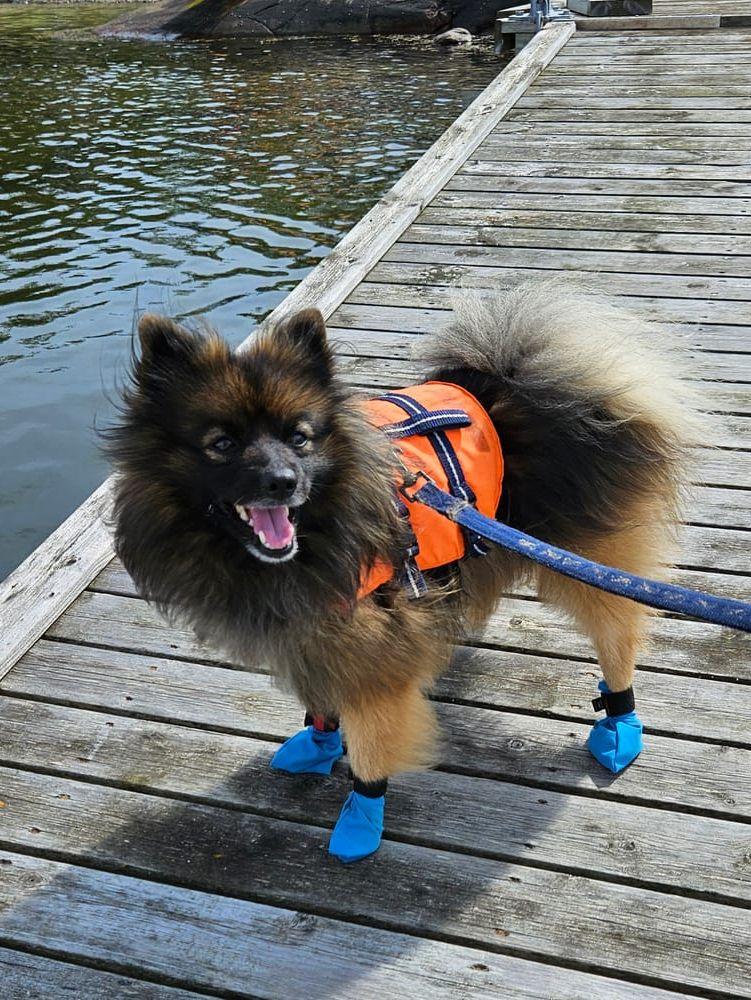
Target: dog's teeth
242, 513
262, 537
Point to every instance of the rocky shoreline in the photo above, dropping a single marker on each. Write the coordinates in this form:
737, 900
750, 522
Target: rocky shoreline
295, 18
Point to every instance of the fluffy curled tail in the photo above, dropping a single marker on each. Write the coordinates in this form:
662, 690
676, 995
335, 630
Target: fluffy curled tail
593, 416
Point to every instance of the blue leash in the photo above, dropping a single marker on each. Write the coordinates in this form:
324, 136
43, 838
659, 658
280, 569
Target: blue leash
664, 596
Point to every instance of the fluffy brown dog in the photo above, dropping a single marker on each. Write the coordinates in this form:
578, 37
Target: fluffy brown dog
253, 494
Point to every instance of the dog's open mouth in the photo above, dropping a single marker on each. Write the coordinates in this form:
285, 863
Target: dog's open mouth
272, 531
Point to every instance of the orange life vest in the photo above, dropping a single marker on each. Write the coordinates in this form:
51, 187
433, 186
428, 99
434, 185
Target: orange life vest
475, 446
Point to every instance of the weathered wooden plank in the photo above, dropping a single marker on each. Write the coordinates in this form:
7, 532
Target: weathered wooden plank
724, 468
447, 226
504, 745
705, 230
612, 168
40, 588
671, 45
490, 175
663, 43
514, 681
447, 210
639, 55
589, 80
501, 266
716, 548
681, 151
228, 770
600, 115
471, 191
537, 99
695, 60
35, 976
685, 94
210, 938
691, 18
591, 71
730, 508
669, 42
623, 145
728, 14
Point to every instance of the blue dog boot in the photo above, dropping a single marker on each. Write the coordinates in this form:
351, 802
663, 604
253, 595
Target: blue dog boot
359, 828
616, 740
311, 751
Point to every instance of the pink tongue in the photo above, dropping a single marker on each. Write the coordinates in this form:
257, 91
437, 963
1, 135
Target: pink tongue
275, 524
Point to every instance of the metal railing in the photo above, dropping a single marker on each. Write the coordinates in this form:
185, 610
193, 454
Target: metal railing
543, 11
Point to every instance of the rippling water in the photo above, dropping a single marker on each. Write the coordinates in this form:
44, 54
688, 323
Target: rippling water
195, 178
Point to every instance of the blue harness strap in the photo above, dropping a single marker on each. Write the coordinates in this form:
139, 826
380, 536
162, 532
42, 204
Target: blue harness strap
433, 424
432, 421
410, 576
663, 596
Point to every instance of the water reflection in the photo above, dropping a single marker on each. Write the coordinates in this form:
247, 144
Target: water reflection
192, 177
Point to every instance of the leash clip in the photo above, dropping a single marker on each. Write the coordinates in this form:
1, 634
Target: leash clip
410, 481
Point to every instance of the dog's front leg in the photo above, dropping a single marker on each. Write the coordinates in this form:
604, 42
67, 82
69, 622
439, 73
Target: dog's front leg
386, 733
314, 750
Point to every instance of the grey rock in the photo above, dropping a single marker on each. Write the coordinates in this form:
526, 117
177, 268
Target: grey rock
454, 36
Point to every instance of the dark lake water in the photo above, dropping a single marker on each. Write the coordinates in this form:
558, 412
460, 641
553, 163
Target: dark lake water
201, 178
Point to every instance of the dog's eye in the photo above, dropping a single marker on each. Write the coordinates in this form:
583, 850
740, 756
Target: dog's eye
299, 439
223, 444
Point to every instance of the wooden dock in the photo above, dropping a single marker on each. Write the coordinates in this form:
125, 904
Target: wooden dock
146, 848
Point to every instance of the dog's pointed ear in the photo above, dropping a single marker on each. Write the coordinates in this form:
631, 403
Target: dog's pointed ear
306, 329
163, 341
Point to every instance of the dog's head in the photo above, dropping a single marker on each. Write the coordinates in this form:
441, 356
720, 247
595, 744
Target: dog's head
247, 438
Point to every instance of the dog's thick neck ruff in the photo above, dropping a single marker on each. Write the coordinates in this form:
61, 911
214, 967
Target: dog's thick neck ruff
441, 430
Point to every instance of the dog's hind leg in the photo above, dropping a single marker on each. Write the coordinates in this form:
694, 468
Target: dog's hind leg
617, 628
388, 733
314, 750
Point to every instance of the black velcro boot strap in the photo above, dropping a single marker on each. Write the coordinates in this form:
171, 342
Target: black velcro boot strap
370, 789
615, 703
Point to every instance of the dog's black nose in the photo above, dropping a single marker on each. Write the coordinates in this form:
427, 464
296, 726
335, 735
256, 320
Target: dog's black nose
280, 483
